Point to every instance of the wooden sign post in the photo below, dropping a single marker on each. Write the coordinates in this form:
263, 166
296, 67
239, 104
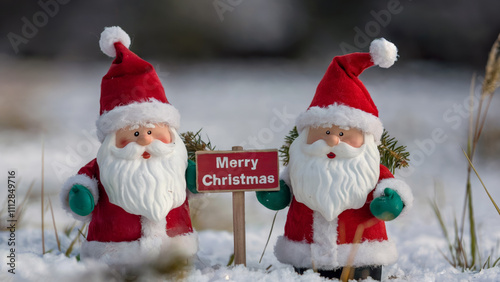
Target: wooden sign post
237, 171
240, 251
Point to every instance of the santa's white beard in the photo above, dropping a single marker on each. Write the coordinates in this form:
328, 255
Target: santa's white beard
148, 187
331, 186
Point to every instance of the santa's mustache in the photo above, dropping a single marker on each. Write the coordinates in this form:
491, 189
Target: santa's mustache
342, 150
133, 151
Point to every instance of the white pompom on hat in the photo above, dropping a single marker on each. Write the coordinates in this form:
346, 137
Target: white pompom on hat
383, 53
110, 36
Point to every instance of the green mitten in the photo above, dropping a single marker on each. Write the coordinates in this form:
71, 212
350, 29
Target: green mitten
191, 177
275, 200
388, 206
81, 201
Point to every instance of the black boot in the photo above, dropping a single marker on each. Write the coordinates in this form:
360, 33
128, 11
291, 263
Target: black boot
375, 272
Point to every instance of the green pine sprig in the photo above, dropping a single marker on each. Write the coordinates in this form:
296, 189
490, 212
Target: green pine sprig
194, 142
391, 155
285, 149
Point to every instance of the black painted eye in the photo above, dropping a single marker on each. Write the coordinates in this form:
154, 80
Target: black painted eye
328, 132
341, 133
136, 133
149, 132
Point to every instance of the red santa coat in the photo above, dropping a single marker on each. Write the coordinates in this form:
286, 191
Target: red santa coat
126, 236
355, 238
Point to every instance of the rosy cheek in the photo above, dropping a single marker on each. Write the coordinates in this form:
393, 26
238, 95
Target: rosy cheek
165, 139
313, 138
355, 142
122, 143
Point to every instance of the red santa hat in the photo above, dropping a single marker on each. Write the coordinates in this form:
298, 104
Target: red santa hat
342, 99
131, 92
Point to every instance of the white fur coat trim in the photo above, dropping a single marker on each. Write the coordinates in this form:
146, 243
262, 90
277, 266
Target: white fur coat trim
342, 116
151, 111
403, 190
84, 180
298, 254
285, 176
154, 235
324, 253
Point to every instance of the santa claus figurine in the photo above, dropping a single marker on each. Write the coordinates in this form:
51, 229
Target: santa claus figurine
134, 193
339, 194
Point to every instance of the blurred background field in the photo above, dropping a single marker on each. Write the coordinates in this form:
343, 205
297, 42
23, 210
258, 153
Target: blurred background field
242, 71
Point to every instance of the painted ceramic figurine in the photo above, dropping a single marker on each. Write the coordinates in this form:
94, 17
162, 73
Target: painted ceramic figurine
339, 194
134, 193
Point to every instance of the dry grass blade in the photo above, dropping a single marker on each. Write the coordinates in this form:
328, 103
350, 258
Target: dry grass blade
268, 237
460, 252
444, 229
492, 75
54, 223
447, 259
458, 257
72, 244
482, 183
470, 258
437, 212
81, 233
348, 270
472, 141
70, 248
490, 84
496, 262
487, 263
231, 260
42, 204
67, 230
20, 210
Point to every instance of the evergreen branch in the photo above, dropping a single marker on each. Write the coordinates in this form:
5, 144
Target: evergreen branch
285, 149
391, 155
194, 142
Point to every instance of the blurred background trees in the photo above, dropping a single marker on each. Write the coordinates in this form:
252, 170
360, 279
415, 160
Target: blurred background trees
450, 30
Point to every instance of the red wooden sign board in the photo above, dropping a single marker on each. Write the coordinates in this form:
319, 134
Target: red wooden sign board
232, 171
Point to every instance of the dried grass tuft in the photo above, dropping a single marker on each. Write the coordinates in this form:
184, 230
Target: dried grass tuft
468, 256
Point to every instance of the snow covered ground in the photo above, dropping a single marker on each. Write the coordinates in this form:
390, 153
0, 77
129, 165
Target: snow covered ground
253, 104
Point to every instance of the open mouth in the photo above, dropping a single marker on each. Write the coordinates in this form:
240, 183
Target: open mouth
331, 155
146, 155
